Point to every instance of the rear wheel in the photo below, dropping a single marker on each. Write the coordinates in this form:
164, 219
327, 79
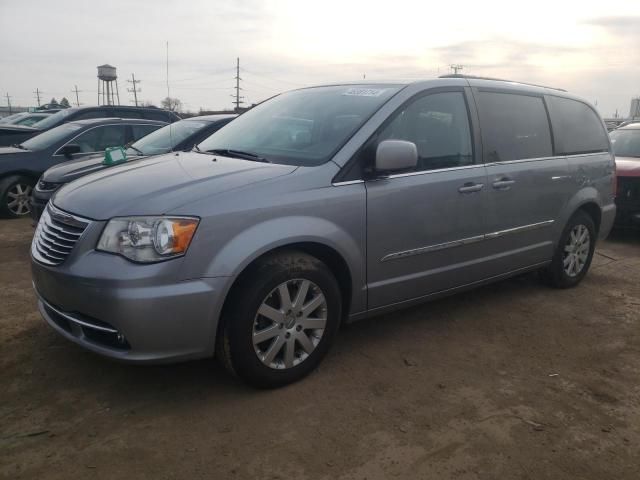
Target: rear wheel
280, 321
574, 253
15, 196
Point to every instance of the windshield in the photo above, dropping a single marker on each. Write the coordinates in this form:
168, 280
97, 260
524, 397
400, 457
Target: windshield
303, 127
50, 137
626, 143
53, 120
166, 138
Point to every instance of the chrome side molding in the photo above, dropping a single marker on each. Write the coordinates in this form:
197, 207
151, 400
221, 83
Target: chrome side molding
465, 241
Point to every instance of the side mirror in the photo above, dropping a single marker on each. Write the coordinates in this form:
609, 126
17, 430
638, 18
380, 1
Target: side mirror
393, 155
69, 149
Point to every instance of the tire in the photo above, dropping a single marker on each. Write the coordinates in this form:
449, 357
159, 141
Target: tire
281, 354
560, 273
15, 195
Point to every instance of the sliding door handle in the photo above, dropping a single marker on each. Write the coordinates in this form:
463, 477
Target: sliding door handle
471, 187
503, 184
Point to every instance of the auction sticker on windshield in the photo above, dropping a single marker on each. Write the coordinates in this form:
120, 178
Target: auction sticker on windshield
365, 92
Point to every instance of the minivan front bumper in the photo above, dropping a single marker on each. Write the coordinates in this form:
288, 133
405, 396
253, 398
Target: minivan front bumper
157, 322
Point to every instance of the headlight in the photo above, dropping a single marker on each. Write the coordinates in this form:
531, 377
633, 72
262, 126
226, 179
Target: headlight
148, 239
47, 186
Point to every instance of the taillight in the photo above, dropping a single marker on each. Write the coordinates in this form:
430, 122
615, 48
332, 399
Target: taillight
614, 180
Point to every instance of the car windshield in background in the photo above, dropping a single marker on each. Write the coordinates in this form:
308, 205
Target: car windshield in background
52, 120
626, 143
303, 127
166, 138
48, 138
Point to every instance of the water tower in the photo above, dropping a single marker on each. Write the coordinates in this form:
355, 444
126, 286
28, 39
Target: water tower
108, 85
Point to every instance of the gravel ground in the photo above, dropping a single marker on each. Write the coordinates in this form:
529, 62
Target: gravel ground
510, 381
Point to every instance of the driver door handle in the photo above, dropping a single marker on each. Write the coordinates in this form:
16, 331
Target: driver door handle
471, 187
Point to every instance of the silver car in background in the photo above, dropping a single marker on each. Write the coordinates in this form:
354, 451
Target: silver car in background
320, 206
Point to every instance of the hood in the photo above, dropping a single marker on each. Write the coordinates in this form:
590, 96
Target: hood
160, 184
627, 167
67, 171
11, 150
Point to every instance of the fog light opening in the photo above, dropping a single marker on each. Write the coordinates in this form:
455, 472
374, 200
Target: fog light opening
120, 338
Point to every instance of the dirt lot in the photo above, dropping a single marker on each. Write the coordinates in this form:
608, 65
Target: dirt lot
511, 381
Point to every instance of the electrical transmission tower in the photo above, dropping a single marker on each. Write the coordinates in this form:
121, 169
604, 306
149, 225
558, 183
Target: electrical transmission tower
76, 91
456, 67
37, 93
238, 98
133, 88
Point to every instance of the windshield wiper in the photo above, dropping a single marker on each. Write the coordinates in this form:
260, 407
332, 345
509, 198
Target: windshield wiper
196, 148
228, 152
137, 150
20, 146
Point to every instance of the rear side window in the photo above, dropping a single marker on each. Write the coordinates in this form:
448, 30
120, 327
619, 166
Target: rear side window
577, 127
159, 115
514, 127
125, 113
88, 114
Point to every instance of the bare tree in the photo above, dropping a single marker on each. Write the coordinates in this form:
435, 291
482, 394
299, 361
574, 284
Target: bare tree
173, 104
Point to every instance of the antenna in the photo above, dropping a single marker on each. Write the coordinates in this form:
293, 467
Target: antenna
168, 95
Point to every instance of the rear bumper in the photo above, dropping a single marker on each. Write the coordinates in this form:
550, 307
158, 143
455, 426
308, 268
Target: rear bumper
606, 221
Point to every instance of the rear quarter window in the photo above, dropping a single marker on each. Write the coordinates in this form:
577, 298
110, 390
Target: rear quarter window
577, 128
513, 126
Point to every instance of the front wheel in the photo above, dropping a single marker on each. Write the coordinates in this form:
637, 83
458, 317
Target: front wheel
281, 320
574, 253
15, 196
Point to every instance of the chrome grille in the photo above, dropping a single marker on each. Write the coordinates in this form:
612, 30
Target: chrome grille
56, 235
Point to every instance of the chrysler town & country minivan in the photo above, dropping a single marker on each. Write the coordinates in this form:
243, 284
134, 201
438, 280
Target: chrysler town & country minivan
320, 206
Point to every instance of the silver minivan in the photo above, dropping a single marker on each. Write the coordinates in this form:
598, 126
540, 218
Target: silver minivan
321, 206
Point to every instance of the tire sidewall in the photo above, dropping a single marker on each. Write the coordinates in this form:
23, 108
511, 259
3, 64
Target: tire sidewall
248, 298
559, 277
5, 186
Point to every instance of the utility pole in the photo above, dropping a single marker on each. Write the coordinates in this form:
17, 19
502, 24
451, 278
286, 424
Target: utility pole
38, 92
456, 67
76, 91
238, 99
135, 90
9, 103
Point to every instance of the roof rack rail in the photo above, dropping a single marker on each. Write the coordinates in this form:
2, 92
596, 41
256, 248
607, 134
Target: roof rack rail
476, 77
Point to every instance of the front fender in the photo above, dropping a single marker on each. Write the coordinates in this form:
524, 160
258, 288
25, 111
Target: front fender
242, 249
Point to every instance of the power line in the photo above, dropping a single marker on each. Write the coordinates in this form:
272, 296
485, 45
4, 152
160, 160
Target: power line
134, 89
76, 91
238, 100
9, 103
38, 92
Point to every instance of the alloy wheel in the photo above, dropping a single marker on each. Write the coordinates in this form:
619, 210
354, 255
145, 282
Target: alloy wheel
289, 324
18, 198
576, 250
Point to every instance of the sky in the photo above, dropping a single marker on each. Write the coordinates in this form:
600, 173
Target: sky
591, 48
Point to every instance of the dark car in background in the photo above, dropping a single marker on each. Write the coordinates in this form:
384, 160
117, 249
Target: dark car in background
24, 118
626, 144
22, 164
14, 134
178, 136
